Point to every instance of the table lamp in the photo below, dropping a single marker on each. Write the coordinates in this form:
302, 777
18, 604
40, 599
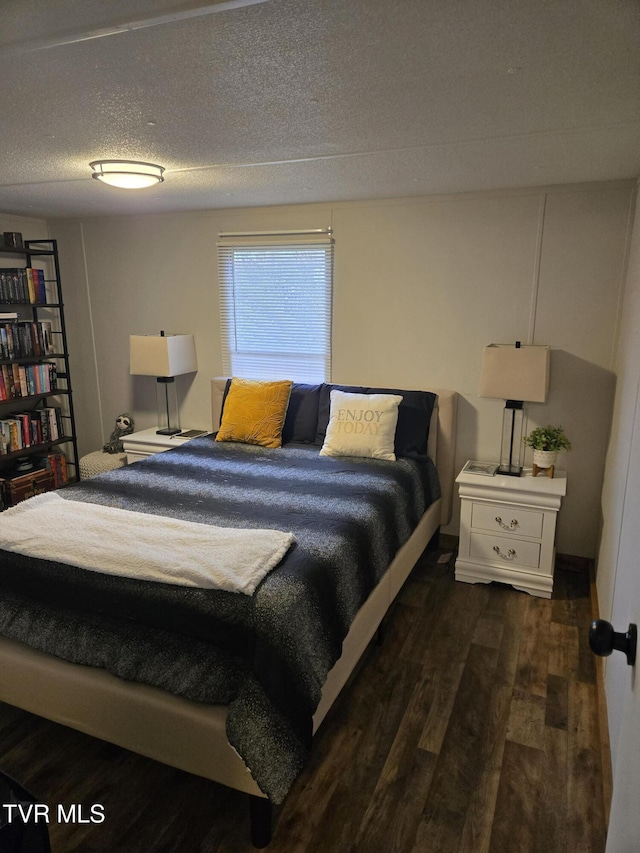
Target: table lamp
517, 375
165, 357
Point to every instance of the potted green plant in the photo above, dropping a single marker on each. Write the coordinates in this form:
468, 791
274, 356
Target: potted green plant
546, 442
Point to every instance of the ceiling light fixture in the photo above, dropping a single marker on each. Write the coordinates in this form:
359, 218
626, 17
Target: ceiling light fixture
128, 174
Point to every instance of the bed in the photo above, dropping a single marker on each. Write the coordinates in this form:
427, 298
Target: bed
185, 645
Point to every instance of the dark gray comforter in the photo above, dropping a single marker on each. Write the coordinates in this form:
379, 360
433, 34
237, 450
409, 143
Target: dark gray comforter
267, 655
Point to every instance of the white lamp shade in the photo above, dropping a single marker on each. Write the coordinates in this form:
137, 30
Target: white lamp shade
515, 373
162, 355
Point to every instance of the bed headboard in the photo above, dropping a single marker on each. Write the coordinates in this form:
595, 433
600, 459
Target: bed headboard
442, 436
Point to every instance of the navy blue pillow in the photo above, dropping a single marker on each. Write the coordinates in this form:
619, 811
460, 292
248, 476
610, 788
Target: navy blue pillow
414, 416
301, 421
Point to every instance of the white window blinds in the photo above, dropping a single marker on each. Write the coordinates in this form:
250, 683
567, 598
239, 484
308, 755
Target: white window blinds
275, 305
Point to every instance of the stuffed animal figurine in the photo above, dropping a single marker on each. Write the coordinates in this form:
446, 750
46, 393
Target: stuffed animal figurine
124, 426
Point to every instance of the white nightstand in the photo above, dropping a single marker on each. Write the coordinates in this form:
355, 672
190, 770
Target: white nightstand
147, 441
508, 528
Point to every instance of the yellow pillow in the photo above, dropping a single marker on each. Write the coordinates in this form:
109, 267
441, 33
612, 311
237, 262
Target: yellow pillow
254, 412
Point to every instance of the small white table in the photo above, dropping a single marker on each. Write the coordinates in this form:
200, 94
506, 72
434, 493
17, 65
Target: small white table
508, 528
138, 445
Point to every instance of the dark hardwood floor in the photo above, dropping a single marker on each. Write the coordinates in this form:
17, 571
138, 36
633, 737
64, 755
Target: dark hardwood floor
473, 727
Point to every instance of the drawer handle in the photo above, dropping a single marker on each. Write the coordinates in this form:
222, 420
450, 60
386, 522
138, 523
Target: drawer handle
508, 556
512, 526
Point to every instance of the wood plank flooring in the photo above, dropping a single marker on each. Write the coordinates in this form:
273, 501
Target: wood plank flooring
473, 727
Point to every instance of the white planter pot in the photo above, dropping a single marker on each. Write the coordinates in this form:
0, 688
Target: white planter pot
544, 458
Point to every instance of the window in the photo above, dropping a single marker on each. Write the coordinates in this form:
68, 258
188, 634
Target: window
275, 305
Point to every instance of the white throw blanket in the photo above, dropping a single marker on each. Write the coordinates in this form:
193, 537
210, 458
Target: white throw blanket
138, 545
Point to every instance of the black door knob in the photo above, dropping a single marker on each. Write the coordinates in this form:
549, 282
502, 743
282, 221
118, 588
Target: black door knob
603, 640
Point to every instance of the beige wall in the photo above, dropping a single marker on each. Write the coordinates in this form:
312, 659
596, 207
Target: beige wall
31, 228
421, 285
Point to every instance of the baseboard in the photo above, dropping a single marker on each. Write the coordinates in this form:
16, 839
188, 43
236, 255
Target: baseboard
570, 563
448, 541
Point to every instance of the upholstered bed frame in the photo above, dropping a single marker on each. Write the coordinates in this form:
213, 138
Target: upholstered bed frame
186, 734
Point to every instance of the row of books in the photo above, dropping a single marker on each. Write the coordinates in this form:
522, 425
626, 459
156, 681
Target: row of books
24, 339
27, 429
25, 380
56, 462
21, 285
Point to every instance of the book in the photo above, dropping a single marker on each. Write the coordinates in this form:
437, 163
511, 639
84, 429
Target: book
31, 288
484, 469
190, 433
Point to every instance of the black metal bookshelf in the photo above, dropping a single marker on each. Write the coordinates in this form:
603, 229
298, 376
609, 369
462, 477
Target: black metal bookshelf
37, 253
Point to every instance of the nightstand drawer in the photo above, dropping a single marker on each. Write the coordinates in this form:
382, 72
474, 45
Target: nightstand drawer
502, 549
505, 519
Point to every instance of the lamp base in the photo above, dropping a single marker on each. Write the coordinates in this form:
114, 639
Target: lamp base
511, 448
510, 470
167, 401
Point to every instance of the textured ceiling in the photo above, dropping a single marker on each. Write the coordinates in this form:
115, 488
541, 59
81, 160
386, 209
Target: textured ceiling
287, 101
